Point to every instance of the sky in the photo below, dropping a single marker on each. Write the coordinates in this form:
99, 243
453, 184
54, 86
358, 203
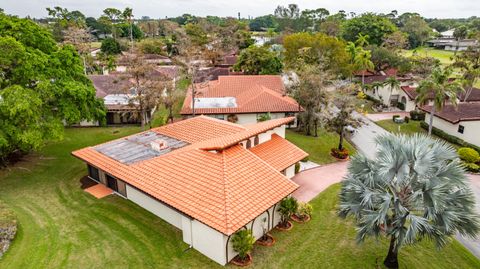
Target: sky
171, 8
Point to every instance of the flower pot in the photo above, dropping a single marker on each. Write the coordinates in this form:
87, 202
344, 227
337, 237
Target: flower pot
243, 263
269, 242
297, 219
339, 159
288, 228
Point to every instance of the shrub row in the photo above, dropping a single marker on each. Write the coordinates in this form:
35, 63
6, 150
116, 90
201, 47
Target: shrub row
450, 138
417, 115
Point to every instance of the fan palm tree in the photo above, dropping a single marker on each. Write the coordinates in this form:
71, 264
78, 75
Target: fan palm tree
438, 88
416, 187
393, 83
363, 62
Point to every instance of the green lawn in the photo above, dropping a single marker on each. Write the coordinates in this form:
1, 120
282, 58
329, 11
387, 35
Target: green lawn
61, 226
318, 147
411, 127
444, 56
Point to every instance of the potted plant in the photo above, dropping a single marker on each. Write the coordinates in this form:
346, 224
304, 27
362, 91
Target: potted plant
266, 239
303, 214
242, 242
232, 118
288, 206
339, 154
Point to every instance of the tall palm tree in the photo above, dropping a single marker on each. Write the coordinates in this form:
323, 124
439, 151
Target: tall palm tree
393, 83
440, 89
363, 62
127, 16
416, 187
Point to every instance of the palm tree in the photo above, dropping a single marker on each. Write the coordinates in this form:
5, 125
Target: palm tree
438, 88
393, 83
362, 62
127, 16
416, 187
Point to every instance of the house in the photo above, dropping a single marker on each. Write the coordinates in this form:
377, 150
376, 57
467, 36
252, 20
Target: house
155, 59
244, 99
207, 177
462, 121
452, 44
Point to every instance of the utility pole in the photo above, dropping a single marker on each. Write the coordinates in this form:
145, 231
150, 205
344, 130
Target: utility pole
238, 15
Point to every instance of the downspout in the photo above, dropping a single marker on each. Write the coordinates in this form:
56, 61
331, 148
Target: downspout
273, 215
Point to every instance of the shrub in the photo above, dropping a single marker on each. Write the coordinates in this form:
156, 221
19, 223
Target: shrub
110, 46
417, 115
305, 159
449, 138
468, 155
407, 119
242, 242
339, 154
361, 95
288, 206
471, 167
401, 106
395, 116
264, 117
304, 210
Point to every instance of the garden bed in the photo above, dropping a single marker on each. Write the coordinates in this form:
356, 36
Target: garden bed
8, 228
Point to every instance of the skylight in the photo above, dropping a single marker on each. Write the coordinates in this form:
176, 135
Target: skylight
216, 102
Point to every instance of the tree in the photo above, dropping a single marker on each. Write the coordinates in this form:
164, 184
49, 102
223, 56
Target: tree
130, 31
148, 89
110, 46
312, 18
310, 91
127, 16
242, 243
382, 57
469, 63
258, 61
170, 97
440, 89
363, 62
262, 23
423, 66
42, 86
287, 17
64, 19
395, 41
415, 188
111, 16
331, 26
316, 49
341, 117
459, 34
196, 34
375, 26
392, 83
417, 29
152, 46
80, 39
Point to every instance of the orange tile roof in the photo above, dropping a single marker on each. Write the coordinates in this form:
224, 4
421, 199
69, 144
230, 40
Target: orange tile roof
254, 94
279, 153
225, 189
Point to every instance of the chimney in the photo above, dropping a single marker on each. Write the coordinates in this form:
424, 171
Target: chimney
159, 145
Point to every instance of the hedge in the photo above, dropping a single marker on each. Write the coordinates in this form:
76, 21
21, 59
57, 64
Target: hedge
450, 138
417, 115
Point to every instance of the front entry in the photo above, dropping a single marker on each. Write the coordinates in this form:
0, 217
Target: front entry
112, 183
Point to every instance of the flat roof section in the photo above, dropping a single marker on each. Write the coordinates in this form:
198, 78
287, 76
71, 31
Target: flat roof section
140, 147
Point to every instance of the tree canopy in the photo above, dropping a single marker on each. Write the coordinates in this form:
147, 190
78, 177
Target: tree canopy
258, 61
42, 86
373, 25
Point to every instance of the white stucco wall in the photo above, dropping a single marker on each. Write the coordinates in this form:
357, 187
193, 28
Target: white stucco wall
166, 213
290, 171
245, 119
251, 118
471, 132
410, 104
209, 242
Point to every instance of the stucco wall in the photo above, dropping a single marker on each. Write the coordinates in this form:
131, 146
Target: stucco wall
166, 213
209, 242
290, 171
246, 119
471, 132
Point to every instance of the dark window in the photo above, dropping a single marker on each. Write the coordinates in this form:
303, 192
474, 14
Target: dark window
461, 128
93, 173
256, 140
111, 182
249, 144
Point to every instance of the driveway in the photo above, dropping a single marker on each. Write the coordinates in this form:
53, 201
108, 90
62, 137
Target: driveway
386, 115
315, 180
473, 244
364, 137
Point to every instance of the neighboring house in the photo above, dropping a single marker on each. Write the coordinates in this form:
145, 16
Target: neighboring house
385, 93
123, 61
242, 99
208, 178
452, 44
462, 121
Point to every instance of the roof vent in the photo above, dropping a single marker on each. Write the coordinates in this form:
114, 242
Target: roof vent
159, 145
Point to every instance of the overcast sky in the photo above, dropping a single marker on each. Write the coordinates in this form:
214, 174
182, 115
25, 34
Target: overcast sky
162, 8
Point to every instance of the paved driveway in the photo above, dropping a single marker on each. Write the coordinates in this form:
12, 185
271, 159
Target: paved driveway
473, 244
315, 180
364, 137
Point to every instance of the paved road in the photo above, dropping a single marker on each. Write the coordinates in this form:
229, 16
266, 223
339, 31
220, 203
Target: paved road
473, 244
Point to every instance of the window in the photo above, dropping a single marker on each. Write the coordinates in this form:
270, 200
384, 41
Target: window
249, 144
217, 116
93, 173
461, 128
256, 140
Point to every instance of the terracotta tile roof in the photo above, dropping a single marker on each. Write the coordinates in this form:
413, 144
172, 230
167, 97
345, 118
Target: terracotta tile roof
109, 84
279, 153
473, 97
410, 91
253, 94
225, 189
463, 112
364, 73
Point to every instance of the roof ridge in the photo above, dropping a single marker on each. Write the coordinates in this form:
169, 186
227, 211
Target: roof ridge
224, 181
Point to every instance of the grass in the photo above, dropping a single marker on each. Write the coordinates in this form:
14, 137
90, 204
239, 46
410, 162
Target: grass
317, 147
411, 127
444, 56
61, 226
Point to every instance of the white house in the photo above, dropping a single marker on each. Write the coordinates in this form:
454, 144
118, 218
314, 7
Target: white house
462, 121
209, 178
242, 99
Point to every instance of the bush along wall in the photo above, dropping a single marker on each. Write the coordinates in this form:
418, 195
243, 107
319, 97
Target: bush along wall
450, 138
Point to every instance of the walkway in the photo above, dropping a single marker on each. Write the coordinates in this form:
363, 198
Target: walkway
385, 115
315, 180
